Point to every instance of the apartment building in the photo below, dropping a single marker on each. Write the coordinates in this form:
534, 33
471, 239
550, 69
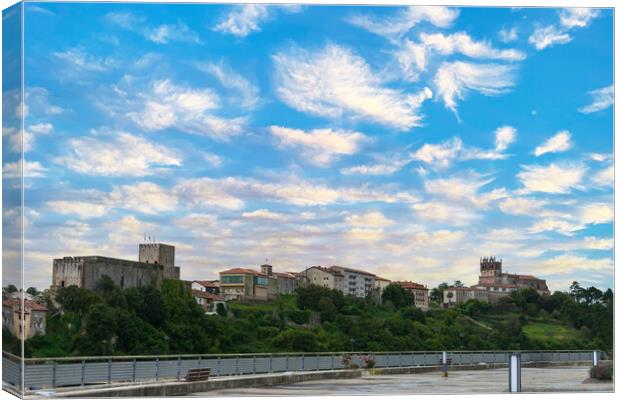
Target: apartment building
419, 291
243, 284
349, 281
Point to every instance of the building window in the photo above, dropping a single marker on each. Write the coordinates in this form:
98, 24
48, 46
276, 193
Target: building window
259, 280
232, 279
122, 282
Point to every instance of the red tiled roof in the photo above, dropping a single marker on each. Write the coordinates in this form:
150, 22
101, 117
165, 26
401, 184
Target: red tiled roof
410, 285
206, 295
29, 305
245, 271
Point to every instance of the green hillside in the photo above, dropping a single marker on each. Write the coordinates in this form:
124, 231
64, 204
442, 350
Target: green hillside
113, 321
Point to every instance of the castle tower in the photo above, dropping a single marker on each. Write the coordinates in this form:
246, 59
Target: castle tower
162, 254
490, 270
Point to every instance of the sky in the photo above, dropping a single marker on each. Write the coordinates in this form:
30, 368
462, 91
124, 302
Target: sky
406, 141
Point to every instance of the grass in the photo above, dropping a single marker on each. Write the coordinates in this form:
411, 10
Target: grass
550, 331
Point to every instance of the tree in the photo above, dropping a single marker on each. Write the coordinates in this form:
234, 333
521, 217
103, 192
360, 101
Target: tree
458, 284
220, 308
100, 324
11, 288
75, 299
398, 296
436, 294
327, 309
33, 291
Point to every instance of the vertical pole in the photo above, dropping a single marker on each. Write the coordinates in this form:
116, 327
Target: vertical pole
157, 368
178, 368
83, 377
514, 373
318, 362
303, 366
333, 362
53, 374
287, 363
109, 370
595, 358
444, 364
218, 366
400, 360
199, 361
254, 364
133, 371
270, 363
237, 365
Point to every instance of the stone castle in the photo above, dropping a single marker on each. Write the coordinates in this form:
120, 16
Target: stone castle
155, 263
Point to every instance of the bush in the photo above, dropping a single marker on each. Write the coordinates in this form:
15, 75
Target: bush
604, 373
369, 361
346, 361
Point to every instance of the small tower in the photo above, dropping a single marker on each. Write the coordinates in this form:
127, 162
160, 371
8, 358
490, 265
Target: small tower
162, 254
490, 269
266, 269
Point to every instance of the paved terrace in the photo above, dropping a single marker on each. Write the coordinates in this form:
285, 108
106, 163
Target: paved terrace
534, 380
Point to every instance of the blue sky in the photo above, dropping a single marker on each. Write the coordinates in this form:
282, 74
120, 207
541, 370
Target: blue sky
405, 141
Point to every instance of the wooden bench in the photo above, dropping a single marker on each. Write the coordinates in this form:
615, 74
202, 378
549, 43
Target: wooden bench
197, 374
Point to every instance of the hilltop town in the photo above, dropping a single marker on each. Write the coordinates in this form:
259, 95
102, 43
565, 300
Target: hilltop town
156, 262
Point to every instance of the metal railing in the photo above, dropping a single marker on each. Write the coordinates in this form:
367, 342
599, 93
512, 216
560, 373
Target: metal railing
79, 371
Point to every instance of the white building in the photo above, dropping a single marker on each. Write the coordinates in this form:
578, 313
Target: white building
346, 280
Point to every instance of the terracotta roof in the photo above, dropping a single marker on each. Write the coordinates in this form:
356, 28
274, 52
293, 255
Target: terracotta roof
358, 271
209, 284
30, 305
410, 285
206, 295
245, 271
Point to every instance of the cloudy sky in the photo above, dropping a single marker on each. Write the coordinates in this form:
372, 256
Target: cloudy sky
409, 142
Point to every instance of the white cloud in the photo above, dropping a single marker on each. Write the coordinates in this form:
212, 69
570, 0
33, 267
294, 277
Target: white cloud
168, 105
556, 179
32, 169
213, 159
596, 213
245, 19
231, 192
369, 219
454, 79
561, 226
604, 177
27, 140
555, 144
439, 155
119, 154
465, 190
521, 206
264, 214
508, 35
442, 155
547, 36
569, 264
602, 99
405, 19
369, 234
462, 43
384, 168
144, 197
161, 34
576, 17
128, 229
83, 209
320, 146
36, 102
83, 61
448, 214
336, 82
232, 80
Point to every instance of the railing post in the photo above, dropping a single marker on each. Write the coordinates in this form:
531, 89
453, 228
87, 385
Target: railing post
237, 365
514, 373
157, 369
218, 366
109, 370
595, 358
199, 361
400, 360
333, 362
254, 365
53, 374
318, 362
83, 373
178, 368
303, 364
133, 371
270, 363
287, 363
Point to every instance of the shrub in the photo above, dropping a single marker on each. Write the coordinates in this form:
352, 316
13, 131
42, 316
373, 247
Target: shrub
604, 373
346, 360
354, 366
369, 361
